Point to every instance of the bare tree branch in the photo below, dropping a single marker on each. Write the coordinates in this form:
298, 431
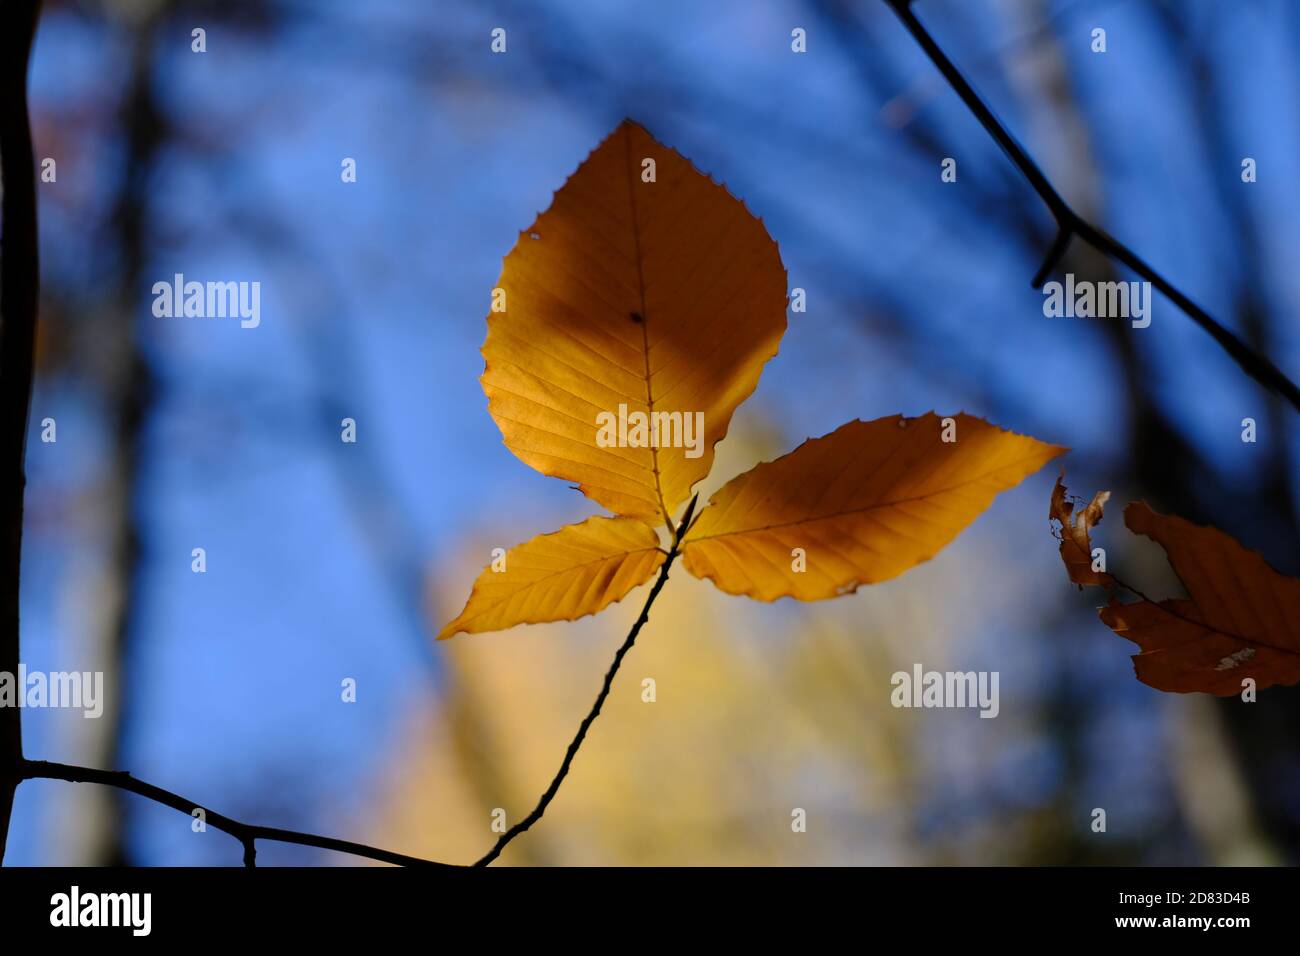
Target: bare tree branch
246, 833
1070, 224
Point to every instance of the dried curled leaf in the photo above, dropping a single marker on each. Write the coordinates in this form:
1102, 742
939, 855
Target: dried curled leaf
862, 504
562, 576
661, 296
1241, 618
1076, 542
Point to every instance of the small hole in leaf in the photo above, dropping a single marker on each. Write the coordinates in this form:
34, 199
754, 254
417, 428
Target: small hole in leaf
534, 235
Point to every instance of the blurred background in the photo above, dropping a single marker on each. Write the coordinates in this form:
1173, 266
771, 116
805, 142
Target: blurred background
328, 561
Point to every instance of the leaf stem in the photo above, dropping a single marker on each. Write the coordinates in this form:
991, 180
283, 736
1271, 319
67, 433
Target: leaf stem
549, 794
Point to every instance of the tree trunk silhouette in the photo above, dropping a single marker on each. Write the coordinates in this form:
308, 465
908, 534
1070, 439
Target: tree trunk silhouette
19, 294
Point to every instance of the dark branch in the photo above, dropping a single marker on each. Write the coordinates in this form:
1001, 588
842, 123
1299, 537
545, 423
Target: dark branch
1054, 256
587, 721
1069, 223
19, 291
247, 834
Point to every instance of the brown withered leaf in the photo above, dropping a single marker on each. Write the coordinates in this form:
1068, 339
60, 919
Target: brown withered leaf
864, 503
1241, 617
660, 297
562, 576
1076, 542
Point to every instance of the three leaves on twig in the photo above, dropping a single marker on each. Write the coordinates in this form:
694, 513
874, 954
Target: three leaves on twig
664, 294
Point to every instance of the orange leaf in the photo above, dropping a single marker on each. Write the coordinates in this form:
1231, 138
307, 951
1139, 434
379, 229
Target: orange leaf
1076, 544
631, 297
562, 576
863, 504
1241, 618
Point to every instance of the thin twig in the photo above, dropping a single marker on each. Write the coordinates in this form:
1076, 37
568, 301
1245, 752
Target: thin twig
19, 292
1069, 223
587, 721
246, 833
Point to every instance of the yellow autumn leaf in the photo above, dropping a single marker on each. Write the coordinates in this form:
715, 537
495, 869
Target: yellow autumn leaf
858, 506
561, 576
646, 289
1241, 618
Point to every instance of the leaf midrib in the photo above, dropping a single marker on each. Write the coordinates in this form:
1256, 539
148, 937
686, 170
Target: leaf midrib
853, 511
572, 569
645, 317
